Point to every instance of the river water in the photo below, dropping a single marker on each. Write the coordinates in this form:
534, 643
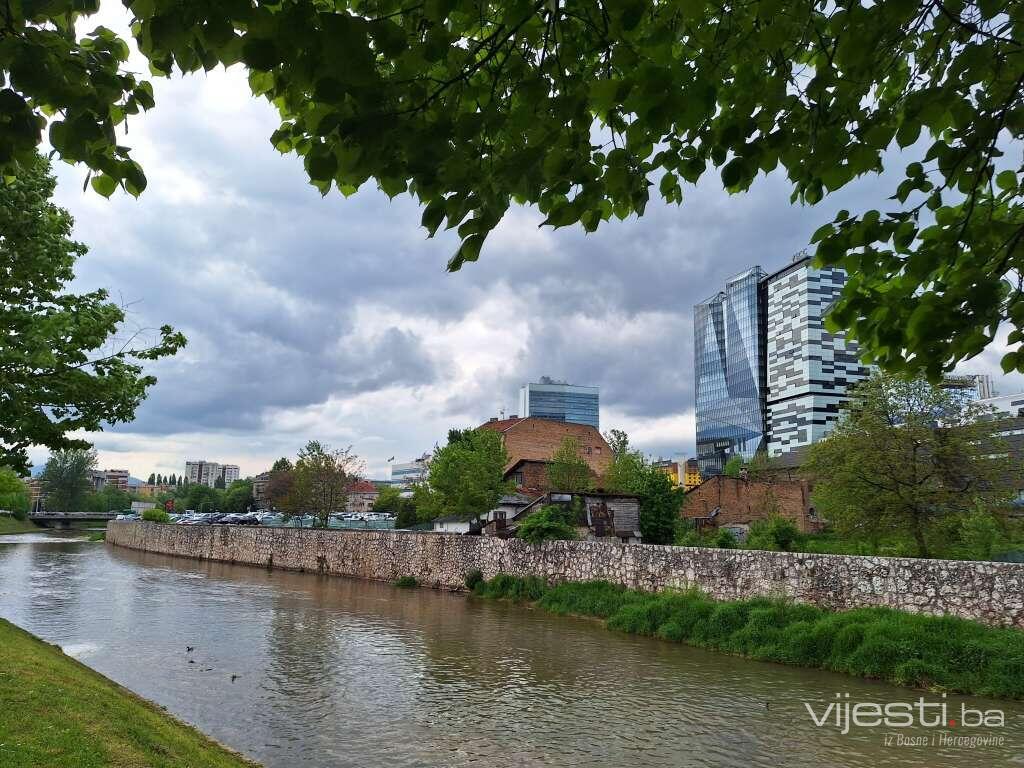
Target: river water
304, 670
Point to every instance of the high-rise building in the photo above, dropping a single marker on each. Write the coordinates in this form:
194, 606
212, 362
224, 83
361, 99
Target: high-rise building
769, 376
975, 386
729, 370
809, 370
209, 472
558, 401
407, 473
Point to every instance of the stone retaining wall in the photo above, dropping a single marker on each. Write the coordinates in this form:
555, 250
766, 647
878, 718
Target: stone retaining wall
992, 593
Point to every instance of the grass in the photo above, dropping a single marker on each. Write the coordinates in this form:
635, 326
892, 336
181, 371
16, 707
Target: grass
938, 653
9, 524
407, 582
58, 712
98, 536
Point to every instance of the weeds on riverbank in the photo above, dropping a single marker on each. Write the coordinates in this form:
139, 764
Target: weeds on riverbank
943, 653
98, 536
407, 582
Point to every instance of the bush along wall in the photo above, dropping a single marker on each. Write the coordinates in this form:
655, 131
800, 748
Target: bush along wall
935, 652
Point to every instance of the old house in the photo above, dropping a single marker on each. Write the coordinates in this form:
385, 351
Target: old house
732, 502
530, 443
599, 516
362, 495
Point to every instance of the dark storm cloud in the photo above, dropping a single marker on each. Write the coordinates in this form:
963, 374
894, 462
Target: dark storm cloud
269, 281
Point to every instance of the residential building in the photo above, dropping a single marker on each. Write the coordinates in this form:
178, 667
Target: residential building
691, 475
769, 376
728, 368
259, 490
101, 479
558, 401
599, 516
531, 442
456, 524
37, 497
734, 503
668, 467
409, 473
153, 489
209, 472
362, 495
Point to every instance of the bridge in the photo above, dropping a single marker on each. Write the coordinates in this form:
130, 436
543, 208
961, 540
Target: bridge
65, 520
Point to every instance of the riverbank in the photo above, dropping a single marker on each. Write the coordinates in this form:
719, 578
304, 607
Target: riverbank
57, 711
931, 652
10, 524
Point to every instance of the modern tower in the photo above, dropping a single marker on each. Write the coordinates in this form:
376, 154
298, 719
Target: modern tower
809, 370
769, 376
558, 401
729, 365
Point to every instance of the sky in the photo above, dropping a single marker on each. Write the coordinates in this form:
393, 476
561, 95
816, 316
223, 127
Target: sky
334, 319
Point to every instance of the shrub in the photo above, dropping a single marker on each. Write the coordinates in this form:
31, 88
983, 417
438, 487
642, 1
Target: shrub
506, 587
776, 534
407, 582
473, 578
725, 539
549, 523
98, 536
156, 516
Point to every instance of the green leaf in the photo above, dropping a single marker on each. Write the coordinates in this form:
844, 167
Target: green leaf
104, 184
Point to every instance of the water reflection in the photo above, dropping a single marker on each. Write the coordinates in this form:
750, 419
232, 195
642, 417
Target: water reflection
296, 669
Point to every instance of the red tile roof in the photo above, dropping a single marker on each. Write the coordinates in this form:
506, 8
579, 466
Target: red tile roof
362, 486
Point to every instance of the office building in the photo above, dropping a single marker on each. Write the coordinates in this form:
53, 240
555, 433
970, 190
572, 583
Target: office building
729, 366
408, 473
974, 386
558, 401
769, 376
809, 370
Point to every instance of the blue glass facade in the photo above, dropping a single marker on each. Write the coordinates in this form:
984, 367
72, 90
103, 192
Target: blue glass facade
560, 402
728, 362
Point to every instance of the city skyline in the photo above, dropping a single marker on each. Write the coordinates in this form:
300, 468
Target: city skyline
335, 318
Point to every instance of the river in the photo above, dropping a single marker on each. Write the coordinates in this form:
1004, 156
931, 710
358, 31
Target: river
303, 670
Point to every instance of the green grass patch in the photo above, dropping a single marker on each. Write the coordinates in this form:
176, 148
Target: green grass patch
60, 712
10, 524
98, 536
407, 582
939, 653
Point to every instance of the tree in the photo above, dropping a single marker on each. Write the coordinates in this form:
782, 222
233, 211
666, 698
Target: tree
733, 467
152, 479
65, 479
281, 465
107, 499
64, 364
660, 500
14, 495
550, 523
618, 441
279, 489
238, 498
507, 98
467, 475
172, 480
321, 479
218, 483
203, 498
906, 456
390, 500
568, 470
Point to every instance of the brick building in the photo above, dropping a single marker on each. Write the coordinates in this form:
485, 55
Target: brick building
736, 502
362, 495
530, 443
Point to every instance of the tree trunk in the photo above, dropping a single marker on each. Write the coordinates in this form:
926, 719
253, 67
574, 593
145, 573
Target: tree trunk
922, 547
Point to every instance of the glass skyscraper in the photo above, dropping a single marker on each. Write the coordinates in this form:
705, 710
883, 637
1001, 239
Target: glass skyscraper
729, 367
769, 376
560, 402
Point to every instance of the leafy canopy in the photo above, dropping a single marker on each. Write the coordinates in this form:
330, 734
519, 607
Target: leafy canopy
660, 500
568, 470
582, 107
63, 366
467, 475
66, 480
906, 457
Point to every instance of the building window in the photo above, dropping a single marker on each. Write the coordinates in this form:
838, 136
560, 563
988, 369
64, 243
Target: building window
517, 478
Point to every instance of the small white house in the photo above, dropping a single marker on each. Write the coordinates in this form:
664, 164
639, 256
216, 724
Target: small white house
455, 524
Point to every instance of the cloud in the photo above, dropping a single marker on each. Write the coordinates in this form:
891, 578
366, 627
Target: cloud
334, 318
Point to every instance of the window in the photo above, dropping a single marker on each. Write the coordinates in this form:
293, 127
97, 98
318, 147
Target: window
517, 478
